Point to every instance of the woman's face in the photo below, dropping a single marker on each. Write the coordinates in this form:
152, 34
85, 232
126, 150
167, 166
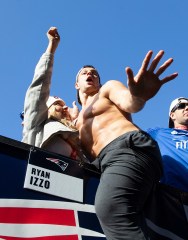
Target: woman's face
59, 110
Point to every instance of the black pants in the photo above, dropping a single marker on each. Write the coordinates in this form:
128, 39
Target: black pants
130, 166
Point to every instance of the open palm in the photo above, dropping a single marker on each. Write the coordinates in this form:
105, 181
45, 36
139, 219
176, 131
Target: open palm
147, 83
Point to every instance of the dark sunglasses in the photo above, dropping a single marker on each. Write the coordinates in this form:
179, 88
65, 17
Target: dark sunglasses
22, 115
179, 106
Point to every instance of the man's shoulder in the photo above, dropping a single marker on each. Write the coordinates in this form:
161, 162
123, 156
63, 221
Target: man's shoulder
111, 82
111, 85
155, 129
158, 131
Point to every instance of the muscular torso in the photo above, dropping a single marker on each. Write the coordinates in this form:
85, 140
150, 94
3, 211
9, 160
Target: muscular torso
100, 122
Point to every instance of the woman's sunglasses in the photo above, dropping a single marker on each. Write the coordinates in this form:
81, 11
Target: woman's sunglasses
22, 115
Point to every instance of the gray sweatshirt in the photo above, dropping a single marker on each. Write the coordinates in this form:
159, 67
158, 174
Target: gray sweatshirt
38, 130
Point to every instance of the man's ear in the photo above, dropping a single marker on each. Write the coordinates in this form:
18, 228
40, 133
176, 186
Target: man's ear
172, 115
77, 85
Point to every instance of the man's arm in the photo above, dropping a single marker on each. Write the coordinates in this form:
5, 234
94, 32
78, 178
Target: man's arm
120, 95
142, 87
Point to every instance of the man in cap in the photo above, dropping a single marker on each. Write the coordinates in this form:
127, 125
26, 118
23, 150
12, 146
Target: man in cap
48, 122
173, 144
178, 114
128, 158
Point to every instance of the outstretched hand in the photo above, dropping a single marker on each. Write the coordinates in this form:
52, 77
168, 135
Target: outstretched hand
146, 83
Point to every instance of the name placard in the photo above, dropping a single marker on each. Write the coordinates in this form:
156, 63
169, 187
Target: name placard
59, 177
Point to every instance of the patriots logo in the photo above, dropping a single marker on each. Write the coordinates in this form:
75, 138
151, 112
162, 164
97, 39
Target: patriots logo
63, 165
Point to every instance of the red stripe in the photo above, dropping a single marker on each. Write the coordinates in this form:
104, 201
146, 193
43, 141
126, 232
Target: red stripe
37, 215
73, 237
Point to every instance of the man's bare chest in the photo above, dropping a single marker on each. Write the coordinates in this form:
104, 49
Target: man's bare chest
90, 112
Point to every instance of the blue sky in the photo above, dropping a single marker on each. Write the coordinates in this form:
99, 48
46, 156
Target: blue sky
109, 34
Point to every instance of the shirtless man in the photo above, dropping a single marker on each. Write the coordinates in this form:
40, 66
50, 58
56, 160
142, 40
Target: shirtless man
129, 159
